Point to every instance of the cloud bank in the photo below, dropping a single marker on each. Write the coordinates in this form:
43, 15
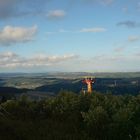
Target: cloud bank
13, 60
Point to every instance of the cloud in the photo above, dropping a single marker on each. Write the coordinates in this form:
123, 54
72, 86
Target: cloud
97, 29
112, 62
119, 49
55, 14
13, 60
129, 24
138, 54
83, 30
138, 6
104, 2
70, 62
7, 8
10, 35
18, 8
7, 55
52, 59
125, 9
107, 2
133, 38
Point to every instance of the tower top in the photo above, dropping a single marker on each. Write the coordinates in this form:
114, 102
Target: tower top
89, 81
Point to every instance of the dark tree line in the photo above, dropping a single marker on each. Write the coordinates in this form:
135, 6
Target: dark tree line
69, 116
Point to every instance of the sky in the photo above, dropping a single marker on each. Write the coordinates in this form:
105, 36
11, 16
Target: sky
69, 35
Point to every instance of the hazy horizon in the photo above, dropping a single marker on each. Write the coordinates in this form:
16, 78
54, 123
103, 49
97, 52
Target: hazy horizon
68, 72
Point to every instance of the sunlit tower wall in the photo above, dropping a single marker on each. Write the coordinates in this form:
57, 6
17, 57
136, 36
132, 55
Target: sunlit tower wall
89, 82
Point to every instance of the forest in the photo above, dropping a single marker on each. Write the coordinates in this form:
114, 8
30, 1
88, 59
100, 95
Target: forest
71, 116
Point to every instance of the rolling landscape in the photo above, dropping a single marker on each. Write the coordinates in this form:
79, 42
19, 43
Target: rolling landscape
42, 85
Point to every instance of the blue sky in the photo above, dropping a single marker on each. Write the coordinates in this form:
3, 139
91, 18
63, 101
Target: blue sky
69, 35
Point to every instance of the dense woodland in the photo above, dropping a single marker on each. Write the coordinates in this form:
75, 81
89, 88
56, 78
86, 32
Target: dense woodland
69, 116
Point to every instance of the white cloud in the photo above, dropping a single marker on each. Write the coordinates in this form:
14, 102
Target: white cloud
133, 38
107, 2
12, 60
97, 29
10, 35
55, 14
83, 30
7, 55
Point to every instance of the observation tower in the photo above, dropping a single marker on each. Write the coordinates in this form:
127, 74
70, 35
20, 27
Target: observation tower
89, 82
